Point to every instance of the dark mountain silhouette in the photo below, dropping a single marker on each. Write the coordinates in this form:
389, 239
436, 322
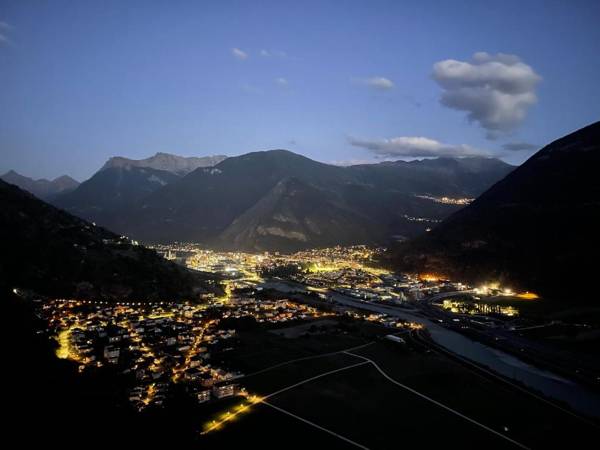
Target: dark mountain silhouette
293, 214
537, 228
112, 190
41, 188
56, 254
278, 200
179, 165
122, 183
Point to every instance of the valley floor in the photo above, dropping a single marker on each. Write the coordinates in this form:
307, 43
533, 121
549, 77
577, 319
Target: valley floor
382, 394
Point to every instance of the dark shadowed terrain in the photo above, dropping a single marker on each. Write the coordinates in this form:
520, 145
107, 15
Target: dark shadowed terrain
279, 200
538, 228
54, 253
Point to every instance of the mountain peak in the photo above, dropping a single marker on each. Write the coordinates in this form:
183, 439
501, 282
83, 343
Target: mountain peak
13, 174
66, 178
180, 165
41, 188
278, 157
273, 153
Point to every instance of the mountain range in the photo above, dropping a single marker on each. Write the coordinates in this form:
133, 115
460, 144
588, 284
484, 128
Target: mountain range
179, 165
121, 183
54, 253
536, 229
41, 188
278, 200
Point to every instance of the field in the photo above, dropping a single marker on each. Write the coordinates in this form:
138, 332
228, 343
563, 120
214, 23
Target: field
359, 404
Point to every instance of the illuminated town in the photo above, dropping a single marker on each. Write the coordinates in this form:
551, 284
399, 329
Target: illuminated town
164, 344
160, 344
447, 200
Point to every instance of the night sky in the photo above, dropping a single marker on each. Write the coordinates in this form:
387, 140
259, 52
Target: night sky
342, 82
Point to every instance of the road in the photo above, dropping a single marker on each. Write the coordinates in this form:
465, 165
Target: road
362, 361
435, 402
580, 398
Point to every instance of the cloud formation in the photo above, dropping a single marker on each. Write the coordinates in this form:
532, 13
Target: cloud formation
282, 82
519, 146
415, 146
4, 29
273, 53
239, 54
495, 91
380, 83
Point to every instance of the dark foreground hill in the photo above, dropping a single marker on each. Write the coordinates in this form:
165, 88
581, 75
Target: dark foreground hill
54, 253
278, 200
538, 228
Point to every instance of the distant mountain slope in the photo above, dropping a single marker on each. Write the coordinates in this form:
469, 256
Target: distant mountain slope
453, 177
41, 188
232, 204
122, 183
179, 165
536, 228
54, 253
293, 215
109, 191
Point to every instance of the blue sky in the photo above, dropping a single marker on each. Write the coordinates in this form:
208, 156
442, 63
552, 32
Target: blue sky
336, 81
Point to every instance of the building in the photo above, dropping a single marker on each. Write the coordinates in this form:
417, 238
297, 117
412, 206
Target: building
226, 390
203, 396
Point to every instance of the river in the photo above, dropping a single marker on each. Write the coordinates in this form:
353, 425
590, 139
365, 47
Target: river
550, 384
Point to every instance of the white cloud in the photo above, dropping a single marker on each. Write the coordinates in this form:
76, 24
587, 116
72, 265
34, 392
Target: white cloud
282, 82
4, 29
415, 146
496, 91
239, 54
381, 83
273, 53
